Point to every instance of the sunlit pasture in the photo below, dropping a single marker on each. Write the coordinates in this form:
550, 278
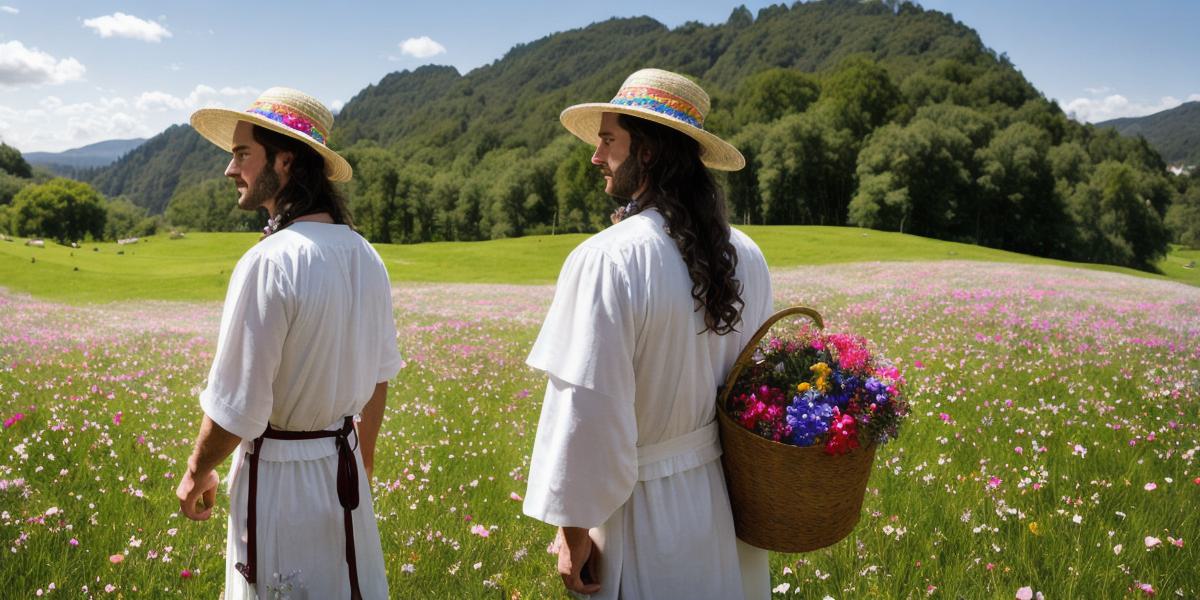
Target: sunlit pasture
1052, 448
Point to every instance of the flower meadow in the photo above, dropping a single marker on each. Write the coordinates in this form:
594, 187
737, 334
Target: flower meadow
1051, 448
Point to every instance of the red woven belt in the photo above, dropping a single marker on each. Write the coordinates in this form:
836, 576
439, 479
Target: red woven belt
347, 489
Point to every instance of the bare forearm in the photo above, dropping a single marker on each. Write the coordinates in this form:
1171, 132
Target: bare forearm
213, 445
372, 420
574, 535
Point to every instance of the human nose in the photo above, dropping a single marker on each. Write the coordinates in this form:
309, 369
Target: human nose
597, 157
232, 170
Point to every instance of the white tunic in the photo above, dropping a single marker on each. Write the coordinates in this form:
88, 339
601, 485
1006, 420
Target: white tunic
306, 332
627, 444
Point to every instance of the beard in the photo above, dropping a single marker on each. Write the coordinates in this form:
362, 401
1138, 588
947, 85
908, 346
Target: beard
266, 187
627, 179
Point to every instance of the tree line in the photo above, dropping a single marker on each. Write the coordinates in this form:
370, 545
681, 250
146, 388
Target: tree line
880, 115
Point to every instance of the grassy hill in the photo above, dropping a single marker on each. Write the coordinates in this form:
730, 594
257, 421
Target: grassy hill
197, 267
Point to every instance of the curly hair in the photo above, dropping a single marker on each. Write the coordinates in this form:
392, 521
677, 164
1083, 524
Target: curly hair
693, 205
308, 190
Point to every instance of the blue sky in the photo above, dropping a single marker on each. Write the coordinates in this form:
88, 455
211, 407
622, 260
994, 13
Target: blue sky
79, 71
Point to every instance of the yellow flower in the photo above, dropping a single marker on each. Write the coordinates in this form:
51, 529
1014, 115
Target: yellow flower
803, 387
822, 370
1033, 528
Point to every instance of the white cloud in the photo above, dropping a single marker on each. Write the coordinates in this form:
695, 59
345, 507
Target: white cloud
20, 65
10, 10
1115, 106
127, 26
201, 96
54, 125
422, 47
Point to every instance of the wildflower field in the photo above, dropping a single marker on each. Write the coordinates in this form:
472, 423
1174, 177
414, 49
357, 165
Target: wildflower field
1052, 447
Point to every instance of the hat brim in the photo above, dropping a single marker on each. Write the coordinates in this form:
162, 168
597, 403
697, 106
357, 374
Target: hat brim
217, 125
583, 120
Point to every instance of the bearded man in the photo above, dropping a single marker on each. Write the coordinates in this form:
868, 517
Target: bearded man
307, 341
647, 319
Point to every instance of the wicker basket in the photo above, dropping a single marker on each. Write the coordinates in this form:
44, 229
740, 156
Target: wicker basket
787, 498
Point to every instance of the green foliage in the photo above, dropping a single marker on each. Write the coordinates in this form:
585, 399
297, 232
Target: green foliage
9, 186
771, 94
1115, 221
881, 114
859, 96
13, 163
1183, 217
211, 206
914, 179
126, 219
804, 171
61, 209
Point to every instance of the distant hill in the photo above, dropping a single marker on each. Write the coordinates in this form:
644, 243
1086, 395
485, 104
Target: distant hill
436, 115
149, 174
1175, 133
68, 162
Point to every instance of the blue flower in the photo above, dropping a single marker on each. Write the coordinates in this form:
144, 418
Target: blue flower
808, 417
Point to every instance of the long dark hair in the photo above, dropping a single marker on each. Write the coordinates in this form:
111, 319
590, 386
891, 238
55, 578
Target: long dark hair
693, 205
308, 190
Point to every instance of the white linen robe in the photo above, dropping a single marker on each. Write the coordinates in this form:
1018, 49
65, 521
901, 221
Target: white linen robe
307, 331
627, 443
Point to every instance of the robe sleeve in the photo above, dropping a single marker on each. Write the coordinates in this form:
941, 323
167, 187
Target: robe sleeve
588, 337
240, 391
584, 464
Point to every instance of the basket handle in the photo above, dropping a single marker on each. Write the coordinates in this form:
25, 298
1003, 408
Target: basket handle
743, 359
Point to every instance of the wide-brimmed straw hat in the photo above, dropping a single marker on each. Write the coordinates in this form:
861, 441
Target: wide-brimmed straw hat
282, 110
667, 99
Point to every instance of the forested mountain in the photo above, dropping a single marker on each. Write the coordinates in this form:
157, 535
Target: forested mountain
875, 114
1175, 133
68, 162
151, 173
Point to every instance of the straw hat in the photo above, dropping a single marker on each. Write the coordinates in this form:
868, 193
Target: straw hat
663, 97
282, 110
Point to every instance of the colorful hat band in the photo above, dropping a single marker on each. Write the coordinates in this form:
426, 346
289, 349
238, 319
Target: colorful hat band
288, 117
660, 102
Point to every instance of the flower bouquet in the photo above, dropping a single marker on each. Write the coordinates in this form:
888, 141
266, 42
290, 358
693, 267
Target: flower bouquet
800, 418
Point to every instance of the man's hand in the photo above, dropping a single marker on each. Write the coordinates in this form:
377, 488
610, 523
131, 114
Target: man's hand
577, 560
198, 494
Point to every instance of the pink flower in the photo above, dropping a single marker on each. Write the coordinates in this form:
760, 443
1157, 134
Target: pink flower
480, 531
110, 588
1147, 588
918, 364
1150, 487
117, 418
1025, 593
1152, 542
116, 558
185, 574
515, 497
945, 417
74, 542
994, 482
1019, 450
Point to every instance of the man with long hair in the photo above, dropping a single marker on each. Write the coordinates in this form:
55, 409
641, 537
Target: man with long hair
647, 320
307, 341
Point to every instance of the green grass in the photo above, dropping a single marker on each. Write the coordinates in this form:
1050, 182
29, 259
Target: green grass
197, 267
